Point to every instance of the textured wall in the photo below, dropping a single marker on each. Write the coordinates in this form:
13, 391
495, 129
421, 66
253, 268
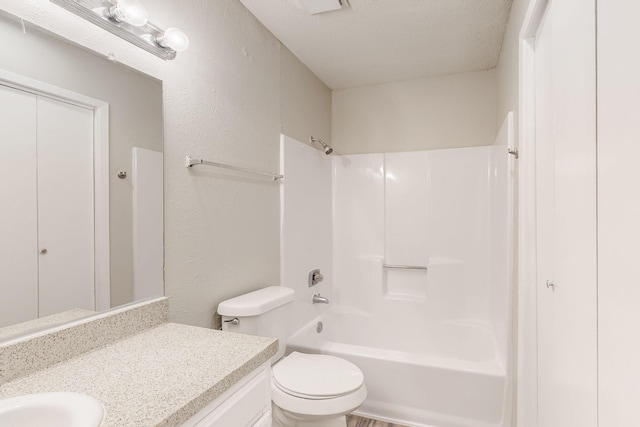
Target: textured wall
508, 65
306, 102
451, 111
221, 102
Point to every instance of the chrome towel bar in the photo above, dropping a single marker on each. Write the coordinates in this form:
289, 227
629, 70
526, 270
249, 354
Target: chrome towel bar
404, 267
192, 162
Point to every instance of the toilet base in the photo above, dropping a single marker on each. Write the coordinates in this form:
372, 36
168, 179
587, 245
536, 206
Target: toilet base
283, 419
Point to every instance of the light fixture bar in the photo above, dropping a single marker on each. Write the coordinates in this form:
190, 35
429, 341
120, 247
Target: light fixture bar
143, 37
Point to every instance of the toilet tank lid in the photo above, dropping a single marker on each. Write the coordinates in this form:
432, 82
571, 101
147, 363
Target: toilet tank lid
257, 302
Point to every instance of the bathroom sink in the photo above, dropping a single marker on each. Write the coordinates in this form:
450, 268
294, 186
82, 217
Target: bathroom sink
51, 410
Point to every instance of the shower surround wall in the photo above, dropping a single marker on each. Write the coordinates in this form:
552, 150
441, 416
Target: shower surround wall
444, 209
305, 199
432, 344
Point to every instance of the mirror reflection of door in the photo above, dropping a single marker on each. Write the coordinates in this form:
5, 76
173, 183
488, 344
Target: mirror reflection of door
47, 199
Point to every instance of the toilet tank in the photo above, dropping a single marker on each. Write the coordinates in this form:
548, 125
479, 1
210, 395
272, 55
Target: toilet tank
264, 312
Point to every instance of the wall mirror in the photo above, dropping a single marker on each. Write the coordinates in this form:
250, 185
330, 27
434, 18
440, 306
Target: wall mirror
81, 191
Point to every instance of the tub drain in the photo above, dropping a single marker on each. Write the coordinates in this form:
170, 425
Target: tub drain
319, 327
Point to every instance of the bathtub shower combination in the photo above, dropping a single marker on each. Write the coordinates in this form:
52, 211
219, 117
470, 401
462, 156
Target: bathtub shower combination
414, 248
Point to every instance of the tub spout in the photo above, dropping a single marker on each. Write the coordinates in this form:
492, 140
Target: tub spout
317, 299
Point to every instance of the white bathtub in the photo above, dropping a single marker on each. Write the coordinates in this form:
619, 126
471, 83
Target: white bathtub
437, 374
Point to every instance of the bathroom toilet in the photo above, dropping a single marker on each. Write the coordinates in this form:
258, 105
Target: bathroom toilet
307, 390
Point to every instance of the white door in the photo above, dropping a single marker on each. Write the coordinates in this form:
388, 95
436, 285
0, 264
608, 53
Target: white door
545, 215
18, 207
65, 207
46, 200
566, 215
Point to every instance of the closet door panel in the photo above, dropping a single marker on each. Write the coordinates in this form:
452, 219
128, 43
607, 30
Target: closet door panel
65, 206
566, 216
18, 206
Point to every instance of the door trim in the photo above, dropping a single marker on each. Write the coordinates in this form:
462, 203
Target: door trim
101, 172
527, 373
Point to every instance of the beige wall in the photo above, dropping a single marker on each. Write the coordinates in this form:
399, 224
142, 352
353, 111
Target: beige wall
451, 111
135, 119
305, 102
508, 65
222, 102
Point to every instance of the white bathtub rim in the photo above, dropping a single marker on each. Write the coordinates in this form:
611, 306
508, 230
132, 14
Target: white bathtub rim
490, 367
484, 325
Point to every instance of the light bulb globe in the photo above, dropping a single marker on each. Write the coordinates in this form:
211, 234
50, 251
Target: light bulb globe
131, 12
174, 39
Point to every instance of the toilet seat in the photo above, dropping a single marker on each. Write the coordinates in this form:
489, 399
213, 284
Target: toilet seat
317, 385
317, 376
305, 408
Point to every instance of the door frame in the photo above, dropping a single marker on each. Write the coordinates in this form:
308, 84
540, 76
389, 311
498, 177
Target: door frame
102, 287
527, 372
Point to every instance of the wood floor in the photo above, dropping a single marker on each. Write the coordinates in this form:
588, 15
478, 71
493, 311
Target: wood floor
355, 421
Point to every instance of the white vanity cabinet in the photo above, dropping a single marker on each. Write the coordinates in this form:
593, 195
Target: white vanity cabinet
246, 404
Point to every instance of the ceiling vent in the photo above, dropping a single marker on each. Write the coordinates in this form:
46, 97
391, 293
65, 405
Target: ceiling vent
315, 7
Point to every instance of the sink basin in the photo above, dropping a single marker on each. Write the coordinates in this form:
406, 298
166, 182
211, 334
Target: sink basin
51, 410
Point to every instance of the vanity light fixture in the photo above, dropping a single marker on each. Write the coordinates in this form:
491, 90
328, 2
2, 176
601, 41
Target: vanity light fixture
129, 11
127, 19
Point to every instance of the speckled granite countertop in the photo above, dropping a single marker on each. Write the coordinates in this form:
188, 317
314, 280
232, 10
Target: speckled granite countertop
160, 377
48, 321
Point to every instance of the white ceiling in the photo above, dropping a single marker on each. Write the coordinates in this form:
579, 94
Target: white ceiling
378, 41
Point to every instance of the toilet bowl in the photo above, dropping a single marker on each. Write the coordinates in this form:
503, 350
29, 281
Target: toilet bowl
307, 390
315, 390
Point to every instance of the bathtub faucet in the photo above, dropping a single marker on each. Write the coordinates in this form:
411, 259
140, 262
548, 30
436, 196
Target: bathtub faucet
317, 299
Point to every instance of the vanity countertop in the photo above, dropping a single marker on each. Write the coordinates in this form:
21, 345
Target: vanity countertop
160, 377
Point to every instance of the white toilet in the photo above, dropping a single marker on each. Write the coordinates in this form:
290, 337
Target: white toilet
307, 390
